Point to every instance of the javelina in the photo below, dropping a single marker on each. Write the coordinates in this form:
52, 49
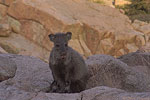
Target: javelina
68, 67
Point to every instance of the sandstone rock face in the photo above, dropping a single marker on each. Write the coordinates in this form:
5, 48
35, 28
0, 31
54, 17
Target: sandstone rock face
2, 50
6, 2
144, 28
17, 44
111, 2
108, 71
94, 30
4, 30
33, 78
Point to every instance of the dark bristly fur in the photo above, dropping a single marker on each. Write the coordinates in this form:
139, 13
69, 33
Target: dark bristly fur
68, 67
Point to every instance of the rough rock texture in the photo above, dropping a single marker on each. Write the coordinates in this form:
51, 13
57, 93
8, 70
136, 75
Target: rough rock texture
96, 29
138, 60
33, 78
12, 43
106, 93
2, 50
111, 2
32, 74
144, 28
4, 30
145, 48
98, 35
108, 71
7, 68
6, 2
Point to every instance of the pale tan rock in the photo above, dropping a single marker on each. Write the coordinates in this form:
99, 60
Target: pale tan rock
5, 30
14, 24
140, 41
18, 44
141, 23
131, 47
6, 2
86, 50
76, 45
2, 50
145, 29
89, 23
33, 31
3, 10
105, 46
145, 48
82, 18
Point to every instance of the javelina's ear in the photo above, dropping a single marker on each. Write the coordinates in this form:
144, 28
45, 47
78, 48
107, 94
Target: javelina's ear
68, 34
51, 37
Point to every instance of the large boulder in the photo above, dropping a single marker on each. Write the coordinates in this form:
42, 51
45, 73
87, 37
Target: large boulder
108, 71
138, 60
7, 68
32, 74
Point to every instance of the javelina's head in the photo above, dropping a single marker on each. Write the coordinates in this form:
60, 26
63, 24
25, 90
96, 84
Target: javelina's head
60, 41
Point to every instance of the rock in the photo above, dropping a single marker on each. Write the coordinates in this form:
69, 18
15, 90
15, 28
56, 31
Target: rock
76, 45
3, 10
9, 47
4, 30
97, 93
33, 77
2, 50
86, 50
18, 44
7, 68
6, 2
145, 29
32, 74
138, 60
12, 93
14, 24
50, 17
106, 93
108, 71
137, 23
33, 31
57, 96
145, 48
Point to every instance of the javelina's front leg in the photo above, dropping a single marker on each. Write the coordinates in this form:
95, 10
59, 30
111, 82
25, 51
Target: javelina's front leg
57, 83
54, 87
67, 82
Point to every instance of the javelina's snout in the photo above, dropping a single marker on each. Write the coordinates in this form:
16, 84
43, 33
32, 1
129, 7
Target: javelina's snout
63, 55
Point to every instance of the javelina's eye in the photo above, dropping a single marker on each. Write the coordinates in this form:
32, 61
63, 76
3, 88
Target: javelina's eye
57, 45
66, 44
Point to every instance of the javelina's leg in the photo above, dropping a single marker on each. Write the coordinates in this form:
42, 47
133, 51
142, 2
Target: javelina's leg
54, 87
57, 79
77, 86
